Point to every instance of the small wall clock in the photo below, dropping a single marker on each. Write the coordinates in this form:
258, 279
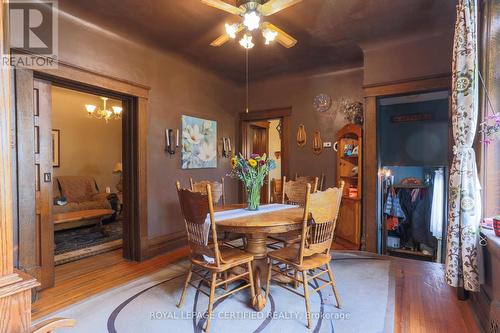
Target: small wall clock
322, 102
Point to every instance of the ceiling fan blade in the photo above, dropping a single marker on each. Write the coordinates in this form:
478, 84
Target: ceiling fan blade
283, 38
219, 4
221, 40
273, 6
225, 37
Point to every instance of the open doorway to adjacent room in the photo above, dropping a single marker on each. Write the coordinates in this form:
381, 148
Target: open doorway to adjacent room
87, 184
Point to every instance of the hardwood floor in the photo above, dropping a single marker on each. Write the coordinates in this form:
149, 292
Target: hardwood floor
423, 300
83, 278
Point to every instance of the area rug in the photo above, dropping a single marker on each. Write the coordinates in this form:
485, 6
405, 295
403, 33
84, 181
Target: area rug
83, 237
149, 304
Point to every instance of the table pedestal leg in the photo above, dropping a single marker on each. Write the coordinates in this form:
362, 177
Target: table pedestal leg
256, 245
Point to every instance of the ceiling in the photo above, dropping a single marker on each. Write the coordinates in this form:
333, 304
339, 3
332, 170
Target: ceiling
329, 32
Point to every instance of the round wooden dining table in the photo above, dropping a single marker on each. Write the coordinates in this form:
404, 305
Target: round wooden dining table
256, 228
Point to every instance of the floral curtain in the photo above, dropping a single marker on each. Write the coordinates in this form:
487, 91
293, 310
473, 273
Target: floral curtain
464, 195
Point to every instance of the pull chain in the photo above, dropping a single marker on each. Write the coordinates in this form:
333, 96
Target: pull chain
246, 68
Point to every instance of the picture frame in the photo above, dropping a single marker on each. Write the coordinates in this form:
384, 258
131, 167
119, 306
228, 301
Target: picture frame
56, 148
199, 143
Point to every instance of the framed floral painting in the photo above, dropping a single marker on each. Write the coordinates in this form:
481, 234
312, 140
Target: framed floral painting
199, 143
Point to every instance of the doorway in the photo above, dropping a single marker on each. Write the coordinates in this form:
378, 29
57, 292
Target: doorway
267, 132
87, 191
39, 187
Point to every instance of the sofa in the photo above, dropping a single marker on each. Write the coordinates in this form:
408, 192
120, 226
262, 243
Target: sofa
80, 192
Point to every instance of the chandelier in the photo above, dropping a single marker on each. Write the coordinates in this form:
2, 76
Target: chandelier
104, 113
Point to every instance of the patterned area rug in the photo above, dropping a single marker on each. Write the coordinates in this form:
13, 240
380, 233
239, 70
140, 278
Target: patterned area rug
149, 304
84, 237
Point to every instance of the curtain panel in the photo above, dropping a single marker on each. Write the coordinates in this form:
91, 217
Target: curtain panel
464, 212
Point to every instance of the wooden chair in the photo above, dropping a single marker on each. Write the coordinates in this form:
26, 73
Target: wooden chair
209, 256
312, 258
310, 179
293, 192
51, 325
276, 190
218, 192
219, 196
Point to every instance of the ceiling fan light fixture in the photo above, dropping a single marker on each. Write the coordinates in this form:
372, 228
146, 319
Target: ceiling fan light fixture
252, 20
269, 35
231, 30
246, 42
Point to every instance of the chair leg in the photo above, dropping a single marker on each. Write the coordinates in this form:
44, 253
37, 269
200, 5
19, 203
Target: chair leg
306, 296
334, 287
296, 279
250, 279
226, 285
211, 301
186, 284
268, 279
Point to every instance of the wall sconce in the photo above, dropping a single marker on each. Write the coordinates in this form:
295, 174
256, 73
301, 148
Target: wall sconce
277, 154
301, 136
317, 145
171, 142
227, 150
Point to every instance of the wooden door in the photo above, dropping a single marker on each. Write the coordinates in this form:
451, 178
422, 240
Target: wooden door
34, 135
260, 145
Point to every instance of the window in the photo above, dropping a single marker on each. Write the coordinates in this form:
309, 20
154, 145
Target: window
491, 74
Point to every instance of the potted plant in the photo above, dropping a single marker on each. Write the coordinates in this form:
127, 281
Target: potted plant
496, 225
252, 172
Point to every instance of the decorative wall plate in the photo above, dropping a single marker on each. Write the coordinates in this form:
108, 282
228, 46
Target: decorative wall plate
322, 102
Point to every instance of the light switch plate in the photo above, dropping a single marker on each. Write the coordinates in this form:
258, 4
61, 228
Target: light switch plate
327, 144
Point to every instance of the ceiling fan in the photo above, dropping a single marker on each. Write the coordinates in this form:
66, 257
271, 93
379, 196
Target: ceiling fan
252, 12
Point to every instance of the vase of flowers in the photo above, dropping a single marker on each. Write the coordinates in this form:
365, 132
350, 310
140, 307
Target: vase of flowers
252, 172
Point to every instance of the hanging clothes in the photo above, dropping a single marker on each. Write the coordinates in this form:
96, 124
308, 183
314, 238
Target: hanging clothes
437, 218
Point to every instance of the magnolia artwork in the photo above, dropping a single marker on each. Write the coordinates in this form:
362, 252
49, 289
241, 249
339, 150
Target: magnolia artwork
199, 143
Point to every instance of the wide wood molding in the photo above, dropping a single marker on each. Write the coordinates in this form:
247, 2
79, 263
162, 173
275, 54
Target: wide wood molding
417, 85
135, 143
370, 158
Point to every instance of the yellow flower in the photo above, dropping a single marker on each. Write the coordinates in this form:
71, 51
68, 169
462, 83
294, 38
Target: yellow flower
233, 162
252, 163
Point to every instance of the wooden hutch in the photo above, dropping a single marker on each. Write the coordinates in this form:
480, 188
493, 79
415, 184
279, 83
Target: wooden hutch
349, 164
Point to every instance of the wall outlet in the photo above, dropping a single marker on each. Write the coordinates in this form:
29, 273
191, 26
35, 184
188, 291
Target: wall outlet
327, 144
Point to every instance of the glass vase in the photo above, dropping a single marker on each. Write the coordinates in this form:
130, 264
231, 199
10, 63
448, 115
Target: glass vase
253, 197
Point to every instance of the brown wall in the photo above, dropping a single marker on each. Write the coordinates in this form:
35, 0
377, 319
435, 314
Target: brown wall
409, 58
177, 87
298, 91
95, 156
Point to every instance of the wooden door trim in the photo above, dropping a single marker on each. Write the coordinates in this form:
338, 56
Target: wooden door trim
135, 126
370, 156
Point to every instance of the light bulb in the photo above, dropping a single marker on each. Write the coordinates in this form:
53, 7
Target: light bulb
246, 42
90, 108
252, 20
269, 35
117, 109
231, 30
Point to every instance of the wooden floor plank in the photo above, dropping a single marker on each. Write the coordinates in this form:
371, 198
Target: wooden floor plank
424, 303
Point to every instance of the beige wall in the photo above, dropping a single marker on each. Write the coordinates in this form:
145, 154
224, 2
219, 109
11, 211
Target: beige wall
298, 91
177, 87
89, 147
